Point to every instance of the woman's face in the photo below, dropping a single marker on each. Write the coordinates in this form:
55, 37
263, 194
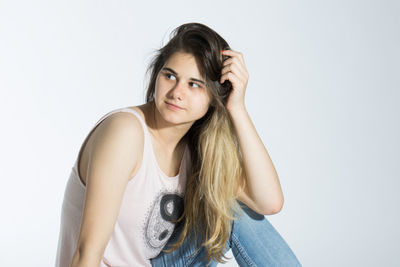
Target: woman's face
179, 83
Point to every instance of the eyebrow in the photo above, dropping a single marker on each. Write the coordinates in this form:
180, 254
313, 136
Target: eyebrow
174, 72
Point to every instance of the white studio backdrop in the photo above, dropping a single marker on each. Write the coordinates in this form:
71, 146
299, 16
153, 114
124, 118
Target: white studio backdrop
323, 94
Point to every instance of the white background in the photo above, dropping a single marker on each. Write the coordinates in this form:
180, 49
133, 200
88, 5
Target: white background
323, 94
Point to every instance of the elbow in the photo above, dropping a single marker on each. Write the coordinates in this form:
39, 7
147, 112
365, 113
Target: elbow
272, 209
277, 210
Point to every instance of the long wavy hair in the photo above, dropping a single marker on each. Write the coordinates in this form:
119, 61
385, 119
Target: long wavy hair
216, 170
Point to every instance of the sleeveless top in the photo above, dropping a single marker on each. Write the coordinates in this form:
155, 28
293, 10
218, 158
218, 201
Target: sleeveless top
151, 200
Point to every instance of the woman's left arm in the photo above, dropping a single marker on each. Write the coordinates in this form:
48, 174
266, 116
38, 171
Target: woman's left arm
263, 187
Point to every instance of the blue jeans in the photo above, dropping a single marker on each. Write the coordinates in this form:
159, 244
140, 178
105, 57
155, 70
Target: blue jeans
253, 240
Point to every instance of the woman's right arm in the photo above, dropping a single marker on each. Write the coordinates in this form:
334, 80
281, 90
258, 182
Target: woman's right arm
116, 150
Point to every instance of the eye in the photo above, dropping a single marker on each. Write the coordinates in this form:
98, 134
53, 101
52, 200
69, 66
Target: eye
168, 74
198, 86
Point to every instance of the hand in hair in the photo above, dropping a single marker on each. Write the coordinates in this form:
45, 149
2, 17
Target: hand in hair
235, 71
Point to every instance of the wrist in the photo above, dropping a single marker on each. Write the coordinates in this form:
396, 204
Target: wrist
236, 109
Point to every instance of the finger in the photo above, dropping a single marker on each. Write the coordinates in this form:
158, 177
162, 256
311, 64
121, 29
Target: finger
231, 68
233, 53
236, 68
232, 78
234, 60
229, 52
227, 61
235, 71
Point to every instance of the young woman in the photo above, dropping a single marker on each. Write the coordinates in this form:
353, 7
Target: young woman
181, 179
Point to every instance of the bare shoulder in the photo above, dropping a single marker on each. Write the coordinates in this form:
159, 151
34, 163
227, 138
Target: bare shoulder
121, 130
123, 127
118, 134
125, 121
120, 125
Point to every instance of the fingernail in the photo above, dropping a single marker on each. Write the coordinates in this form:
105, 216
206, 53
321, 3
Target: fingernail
222, 51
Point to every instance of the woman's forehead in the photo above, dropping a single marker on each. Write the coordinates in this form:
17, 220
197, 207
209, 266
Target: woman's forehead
185, 65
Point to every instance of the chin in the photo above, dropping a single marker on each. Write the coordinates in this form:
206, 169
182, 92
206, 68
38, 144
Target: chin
171, 116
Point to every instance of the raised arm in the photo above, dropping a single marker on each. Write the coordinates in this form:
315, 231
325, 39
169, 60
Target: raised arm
116, 150
263, 192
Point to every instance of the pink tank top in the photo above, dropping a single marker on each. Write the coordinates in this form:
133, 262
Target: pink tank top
151, 200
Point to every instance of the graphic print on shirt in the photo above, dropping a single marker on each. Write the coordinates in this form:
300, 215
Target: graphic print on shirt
158, 228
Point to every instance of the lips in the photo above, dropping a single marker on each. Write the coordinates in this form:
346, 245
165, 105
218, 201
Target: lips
176, 106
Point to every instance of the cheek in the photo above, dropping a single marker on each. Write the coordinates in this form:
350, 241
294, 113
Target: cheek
159, 85
159, 92
203, 105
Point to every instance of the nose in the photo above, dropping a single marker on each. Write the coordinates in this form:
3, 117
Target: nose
178, 92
